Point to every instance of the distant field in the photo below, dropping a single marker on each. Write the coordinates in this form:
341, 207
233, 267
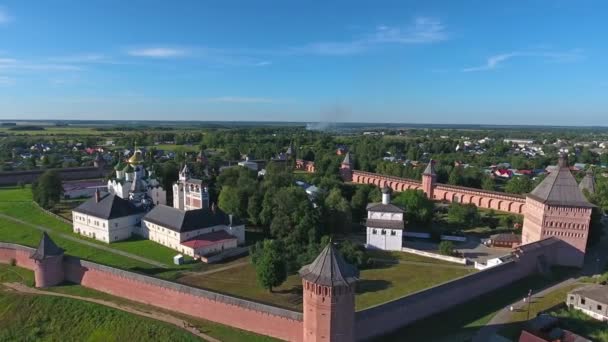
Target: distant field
377, 285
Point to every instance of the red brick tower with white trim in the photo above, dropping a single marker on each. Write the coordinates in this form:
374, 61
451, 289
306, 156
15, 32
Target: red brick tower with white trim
346, 168
429, 178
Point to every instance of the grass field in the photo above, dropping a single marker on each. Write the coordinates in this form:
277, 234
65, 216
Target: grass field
378, 285
582, 324
70, 311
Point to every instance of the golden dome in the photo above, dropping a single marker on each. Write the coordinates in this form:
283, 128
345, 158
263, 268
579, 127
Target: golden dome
136, 158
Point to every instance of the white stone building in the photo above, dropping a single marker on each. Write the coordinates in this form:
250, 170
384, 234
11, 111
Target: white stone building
107, 218
122, 183
190, 193
385, 224
198, 232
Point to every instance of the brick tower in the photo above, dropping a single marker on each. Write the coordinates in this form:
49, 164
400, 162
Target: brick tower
346, 168
558, 208
429, 178
329, 298
49, 263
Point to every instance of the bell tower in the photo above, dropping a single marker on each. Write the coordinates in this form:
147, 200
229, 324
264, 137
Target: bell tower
329, 298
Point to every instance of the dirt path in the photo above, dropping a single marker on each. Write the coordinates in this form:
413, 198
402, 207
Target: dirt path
160, 316
87, 243
216, 270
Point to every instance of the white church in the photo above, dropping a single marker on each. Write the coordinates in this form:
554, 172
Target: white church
385, 224
136, 205
134, 174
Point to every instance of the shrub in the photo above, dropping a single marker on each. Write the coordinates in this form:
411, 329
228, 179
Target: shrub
12, 262
446, 248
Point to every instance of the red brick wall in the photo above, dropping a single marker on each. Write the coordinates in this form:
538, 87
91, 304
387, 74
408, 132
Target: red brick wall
20, 254
198, 306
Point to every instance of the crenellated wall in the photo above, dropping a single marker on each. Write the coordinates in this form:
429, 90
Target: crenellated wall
243, 314
442, 192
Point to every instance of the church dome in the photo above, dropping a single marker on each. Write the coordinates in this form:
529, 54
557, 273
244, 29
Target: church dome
136, 158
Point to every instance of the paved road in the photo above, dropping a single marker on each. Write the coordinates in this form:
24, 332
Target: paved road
160, 316
595, 263
87, 243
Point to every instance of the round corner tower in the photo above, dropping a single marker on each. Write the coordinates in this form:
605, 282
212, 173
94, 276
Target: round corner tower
48, 259
329, 298
429, 178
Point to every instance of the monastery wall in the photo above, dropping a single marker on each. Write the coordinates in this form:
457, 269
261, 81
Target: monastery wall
73, 173
390, 316
231, 311
443, 192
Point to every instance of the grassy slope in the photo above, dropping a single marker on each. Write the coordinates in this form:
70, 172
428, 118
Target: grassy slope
68, 309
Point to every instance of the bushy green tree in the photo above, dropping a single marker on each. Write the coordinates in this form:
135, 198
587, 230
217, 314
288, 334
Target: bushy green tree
417, 206
519, 185
463, 214
47, 190
338, 216
269, 264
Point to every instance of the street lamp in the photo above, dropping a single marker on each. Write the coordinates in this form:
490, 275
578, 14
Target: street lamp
529, 302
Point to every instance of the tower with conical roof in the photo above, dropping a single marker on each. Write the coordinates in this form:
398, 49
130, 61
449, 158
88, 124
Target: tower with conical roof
48, 259
429, 178
588, 182
346, 168
329, 297
558, 208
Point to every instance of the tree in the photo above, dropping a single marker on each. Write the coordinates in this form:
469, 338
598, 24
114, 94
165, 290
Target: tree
47, 190
487, 183
455, 176
354, 254
338, 217
269, 264
229, 200
254, 207
519, 185
463, 214
417, 206
446, 248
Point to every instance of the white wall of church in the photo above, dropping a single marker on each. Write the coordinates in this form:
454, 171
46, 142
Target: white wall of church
385, 239
379, 215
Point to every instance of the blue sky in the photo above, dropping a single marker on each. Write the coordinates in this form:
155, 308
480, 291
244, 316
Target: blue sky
492, 62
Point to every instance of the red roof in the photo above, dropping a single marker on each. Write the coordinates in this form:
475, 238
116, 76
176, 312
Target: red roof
208, 239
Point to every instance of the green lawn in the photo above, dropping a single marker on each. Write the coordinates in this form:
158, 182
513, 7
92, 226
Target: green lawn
43, 318
461, 322
402, 256
15, 194
50, 328
383, 283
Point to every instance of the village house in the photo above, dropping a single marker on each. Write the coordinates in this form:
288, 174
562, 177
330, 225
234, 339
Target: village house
592, 300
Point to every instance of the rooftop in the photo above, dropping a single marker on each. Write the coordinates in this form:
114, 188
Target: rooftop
596, 292
46, 248
180, 220
109, 207
208, 239
560, 188
330, 269
385, 208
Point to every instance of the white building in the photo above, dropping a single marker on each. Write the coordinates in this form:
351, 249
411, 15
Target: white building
122, 183
190, 193
385, 224
107, 218
198, 232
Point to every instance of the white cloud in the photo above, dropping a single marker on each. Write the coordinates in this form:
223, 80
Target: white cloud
4, 16
496, 61
85, 58
237, 99
422, 30
10, 64
158, 52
